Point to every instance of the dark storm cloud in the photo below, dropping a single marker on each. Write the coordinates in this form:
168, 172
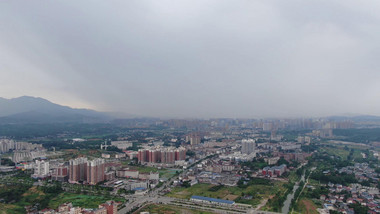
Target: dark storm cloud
194, 58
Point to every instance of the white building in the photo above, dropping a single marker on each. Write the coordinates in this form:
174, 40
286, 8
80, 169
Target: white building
123, 145
42, 169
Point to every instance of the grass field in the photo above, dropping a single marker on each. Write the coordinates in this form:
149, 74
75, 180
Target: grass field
343, 154
258, 192
86, 201
164, 173
168, 209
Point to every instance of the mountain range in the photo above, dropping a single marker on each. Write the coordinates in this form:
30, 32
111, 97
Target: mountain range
28, 109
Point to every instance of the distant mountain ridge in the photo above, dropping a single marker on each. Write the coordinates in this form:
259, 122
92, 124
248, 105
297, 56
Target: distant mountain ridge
27, 109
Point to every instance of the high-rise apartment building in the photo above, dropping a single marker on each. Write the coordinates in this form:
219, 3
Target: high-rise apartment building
78, 170
161, 155
180, 154
248, 146
167, 156
195, 139
95, 171
81, 169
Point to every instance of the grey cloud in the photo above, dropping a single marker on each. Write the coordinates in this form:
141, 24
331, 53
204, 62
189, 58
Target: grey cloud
194, 58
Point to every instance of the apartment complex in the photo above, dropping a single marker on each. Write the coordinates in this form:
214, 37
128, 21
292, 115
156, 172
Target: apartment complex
95, 171
161, 155
81, 169
77, 170
7, 145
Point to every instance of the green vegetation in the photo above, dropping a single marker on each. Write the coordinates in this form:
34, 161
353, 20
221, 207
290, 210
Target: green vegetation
256, 190
359, 135
190, 153
359, 209
17, 191
276, 202
7, 162
29, 196
255, 164
87, 201
326, 161
334, 177
215, 188
23, 131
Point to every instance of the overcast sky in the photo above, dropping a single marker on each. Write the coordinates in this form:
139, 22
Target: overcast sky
201, 58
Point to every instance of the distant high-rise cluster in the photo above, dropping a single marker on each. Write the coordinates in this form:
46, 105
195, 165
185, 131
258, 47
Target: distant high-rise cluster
194, 138
248, 146
81, 169
161, 155
7, 145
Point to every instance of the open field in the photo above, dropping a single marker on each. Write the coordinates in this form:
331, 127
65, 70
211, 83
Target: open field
87, 201
343, 154
258, 192
169, 209
164, 173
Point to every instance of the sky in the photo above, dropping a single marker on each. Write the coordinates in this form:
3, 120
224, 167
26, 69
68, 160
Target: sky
196, 58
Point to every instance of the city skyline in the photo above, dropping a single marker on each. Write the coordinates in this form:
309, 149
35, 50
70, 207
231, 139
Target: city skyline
194, 59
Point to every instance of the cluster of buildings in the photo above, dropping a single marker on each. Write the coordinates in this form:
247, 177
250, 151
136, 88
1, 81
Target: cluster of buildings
22, 151
362, 172
214, 171
164, 155
247, 151
122, 144
83, 170
27, 155
7, 145
193, 138
367, 196
274, 171
336, 200
109, 207
80, 170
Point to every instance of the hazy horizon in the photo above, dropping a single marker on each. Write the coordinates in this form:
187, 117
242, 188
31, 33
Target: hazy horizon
194, 59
